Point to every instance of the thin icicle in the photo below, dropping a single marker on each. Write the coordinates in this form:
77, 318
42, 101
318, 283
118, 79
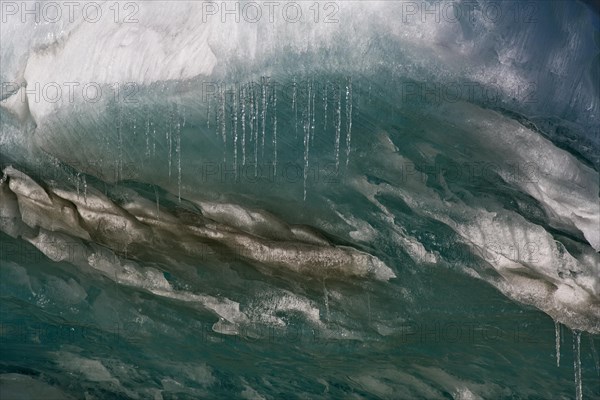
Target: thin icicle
256, 115
295, 106
577, 364
264, 87
251, 113
208, 113
348, 118
120, 135
312, 112
325, 100
306, 119
169, 139
147, 133
178, 149
153, 139
243, 102
309, 109
274, 112
217, 114
251, 120
235, 133
255, 129
294, 94
223, 116
222, 121
338, 125
557, 340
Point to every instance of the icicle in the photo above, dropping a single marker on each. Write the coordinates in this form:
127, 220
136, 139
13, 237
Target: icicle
348, 118
263, 115
223, 117
243, 102
208, 113
577, 364
169, 137
217, 115
255, 117
235, 134
255, 129
295, 107
147, 134
312, 113
153, 139
251, 113
325, 106
338, 125
178, 150
274, 132
307, 119
294, 94
557, 339
251, 119
222, 125
309, 109
120, 134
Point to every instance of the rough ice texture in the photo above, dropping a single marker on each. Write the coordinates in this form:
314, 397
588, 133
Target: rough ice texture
95, 217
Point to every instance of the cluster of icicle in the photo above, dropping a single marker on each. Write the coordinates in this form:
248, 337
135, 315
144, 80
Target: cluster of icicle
246, 115
245, 118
